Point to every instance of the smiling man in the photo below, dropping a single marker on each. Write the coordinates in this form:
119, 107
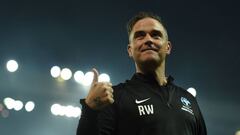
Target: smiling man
147, 104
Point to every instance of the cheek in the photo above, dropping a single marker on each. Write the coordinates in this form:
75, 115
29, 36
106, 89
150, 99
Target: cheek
137, 45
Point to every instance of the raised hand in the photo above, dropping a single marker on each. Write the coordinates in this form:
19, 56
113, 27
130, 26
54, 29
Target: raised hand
100, 93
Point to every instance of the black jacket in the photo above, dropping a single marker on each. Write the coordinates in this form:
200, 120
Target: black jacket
142, 107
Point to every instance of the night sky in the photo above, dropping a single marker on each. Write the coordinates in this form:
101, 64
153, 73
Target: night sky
84, 34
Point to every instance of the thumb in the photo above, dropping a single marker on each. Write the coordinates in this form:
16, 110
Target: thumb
95, 75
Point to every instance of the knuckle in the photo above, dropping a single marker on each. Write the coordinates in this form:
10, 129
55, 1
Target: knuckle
111, 90
106, 93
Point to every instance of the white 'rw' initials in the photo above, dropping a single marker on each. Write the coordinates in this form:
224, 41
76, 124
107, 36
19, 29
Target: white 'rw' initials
145, 109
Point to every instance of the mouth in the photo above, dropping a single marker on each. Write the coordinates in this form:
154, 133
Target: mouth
149, 49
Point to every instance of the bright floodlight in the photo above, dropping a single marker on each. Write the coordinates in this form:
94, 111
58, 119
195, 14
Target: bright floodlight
55, 71
9, 103
104, 78
55, 109
69, 111
62, 110
192, 91
12, 66
66, 74
238, 133
77, 112
29, 106
88, 78
79, 76
72, 111
18, 105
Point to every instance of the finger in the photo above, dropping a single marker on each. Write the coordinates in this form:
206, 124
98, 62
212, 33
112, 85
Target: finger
95, 75
108, 93
105, 93
108, 88
107, 100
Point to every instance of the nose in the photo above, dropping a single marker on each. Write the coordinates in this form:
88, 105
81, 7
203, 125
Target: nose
148, 40
149, 43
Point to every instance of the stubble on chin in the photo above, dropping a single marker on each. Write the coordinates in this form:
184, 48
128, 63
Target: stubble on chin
149, 66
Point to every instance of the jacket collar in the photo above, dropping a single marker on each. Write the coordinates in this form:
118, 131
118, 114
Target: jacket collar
149, 79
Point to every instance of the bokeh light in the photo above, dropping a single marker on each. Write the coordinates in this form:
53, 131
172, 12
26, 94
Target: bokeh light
68, 111
192, 91
12, 65
29, 106
238, 132
55, 109
66, 74
88, 78
55, 71
79, 77
18, 105
9, 103
104, 78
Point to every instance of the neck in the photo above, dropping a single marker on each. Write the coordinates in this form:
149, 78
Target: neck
158, 73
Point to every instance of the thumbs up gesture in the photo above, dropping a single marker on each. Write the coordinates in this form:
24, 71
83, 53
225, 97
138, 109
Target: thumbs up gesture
100, 93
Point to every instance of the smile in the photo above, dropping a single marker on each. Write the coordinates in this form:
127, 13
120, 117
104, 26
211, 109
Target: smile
149, 49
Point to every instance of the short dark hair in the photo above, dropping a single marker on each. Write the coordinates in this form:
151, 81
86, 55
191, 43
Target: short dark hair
139, 16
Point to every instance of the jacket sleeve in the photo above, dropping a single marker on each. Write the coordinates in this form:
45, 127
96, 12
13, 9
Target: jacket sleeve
201, 127
88, 121
97, 122
107, 120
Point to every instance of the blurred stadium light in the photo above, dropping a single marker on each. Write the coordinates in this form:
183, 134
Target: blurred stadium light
55, 71
238, 132
104, 78
68, 111
192, 91
66, 74
17, 105
79, 77
88, 78
29, 106
12, 65
9, 103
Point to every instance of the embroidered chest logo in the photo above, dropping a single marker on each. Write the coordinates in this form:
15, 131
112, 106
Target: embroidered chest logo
186, 105
144, 109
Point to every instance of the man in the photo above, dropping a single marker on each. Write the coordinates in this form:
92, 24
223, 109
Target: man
147, 104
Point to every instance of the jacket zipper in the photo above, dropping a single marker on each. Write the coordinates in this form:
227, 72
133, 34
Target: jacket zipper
170, 95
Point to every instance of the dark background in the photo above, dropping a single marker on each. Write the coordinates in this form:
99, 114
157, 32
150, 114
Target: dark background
84, 34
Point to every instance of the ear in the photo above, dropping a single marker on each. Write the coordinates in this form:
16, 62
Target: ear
129, 49
169, 47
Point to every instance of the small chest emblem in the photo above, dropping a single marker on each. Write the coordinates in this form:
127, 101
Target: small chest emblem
141, 101
186, 105
144, 109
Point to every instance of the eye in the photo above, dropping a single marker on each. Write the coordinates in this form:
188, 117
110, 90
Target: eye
156, 34
139, 35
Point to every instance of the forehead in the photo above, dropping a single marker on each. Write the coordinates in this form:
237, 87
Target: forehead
147, 24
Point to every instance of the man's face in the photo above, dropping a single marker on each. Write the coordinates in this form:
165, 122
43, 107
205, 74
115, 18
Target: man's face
148, 42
